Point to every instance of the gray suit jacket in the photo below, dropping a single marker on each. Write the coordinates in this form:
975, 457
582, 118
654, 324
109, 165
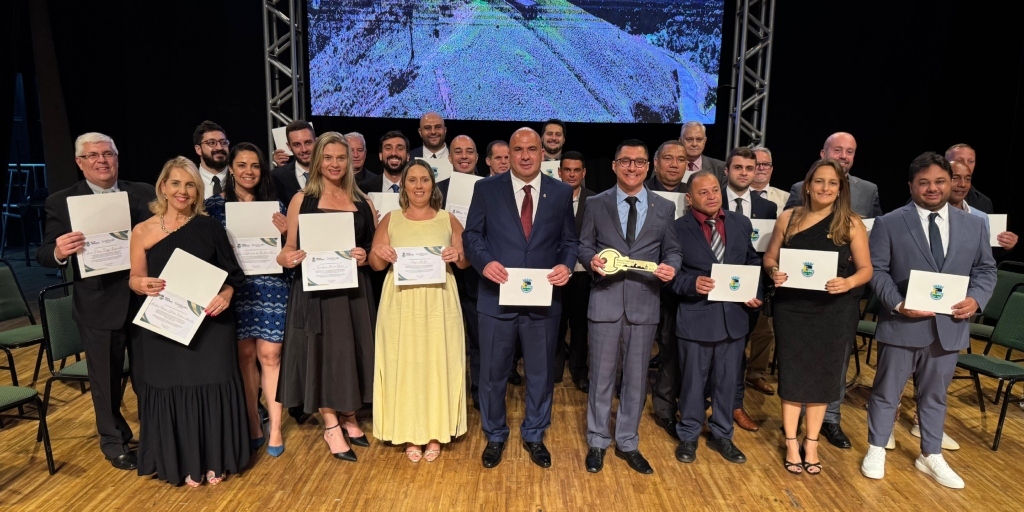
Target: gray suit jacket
714, 165
899, 245
633, 293
863, 197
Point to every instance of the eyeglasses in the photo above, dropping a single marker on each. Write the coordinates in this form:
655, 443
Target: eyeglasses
92, 157
765, 165
693, 140
214, 143
627, 162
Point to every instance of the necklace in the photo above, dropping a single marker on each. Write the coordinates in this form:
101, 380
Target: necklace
164, 227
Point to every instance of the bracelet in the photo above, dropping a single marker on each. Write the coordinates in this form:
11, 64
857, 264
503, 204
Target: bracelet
772, 274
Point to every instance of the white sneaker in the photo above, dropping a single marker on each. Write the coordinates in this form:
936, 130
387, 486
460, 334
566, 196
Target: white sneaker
935, 466
947, 442
891, 445
873, 465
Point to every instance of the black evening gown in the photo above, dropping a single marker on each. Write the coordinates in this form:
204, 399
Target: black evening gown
191, 400
327, 357
813, 329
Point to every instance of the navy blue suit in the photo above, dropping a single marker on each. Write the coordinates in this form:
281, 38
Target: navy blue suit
494, 233
710, 334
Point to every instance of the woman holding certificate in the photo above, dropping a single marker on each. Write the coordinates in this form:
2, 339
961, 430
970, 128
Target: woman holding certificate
191, 399
419, 391
327, 358
815, 328
261, 301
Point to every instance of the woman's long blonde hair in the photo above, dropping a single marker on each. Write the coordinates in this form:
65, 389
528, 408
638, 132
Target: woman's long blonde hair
842, 222
315, 184
159, 205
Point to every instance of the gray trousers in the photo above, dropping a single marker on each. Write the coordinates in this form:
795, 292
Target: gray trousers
832, 414
606, 338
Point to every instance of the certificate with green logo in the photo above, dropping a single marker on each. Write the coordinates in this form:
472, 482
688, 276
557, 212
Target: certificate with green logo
808, 270
525, 287
256, 240
734, 283
180, 308
419, 265
106, 222
328, 239
762, 233
932, 291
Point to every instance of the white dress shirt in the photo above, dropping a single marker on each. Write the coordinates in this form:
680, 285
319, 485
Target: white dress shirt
517, 189
942, 221
97, 190
207, 176
386, 182
300, 175
731, 203
440, 155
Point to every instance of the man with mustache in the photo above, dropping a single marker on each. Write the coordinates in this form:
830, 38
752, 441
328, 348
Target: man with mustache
212, 147
553, 135
433, 132
394, 147
290, 178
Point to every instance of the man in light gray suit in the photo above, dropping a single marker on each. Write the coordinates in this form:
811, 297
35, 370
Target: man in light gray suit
927, 235
694, 137
863, 194
624, 305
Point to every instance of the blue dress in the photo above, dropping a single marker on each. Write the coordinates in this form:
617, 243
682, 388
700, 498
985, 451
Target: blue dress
260, 303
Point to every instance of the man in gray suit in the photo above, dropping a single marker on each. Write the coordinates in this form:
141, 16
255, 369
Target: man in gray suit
694, 137
927, 235
624, 305
863, 194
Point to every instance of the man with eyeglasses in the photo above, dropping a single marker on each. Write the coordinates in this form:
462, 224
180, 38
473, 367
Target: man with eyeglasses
694, 138
212, 146
102, 305
291, 177
623, 308
760, 186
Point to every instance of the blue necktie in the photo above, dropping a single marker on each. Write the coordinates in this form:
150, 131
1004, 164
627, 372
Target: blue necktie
935, 239
394, 188
305, 176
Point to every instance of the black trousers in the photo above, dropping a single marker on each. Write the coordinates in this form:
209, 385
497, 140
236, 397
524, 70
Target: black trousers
575, 302
104, 356
665, 394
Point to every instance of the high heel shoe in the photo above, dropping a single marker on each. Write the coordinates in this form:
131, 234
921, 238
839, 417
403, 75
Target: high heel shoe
213, 478
808, 466
360, 441
350, 455
275, 451
794, 468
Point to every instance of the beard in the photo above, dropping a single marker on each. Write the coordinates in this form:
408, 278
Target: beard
212, 164
391, 171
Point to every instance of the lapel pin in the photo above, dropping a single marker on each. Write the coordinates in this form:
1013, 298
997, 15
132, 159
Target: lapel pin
543, 195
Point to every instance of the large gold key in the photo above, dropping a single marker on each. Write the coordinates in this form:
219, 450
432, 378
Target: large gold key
615, 262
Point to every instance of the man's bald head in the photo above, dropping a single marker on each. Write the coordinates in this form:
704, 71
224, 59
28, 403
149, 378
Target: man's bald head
462, 154
432, 131
526, 149
961, 153
840, 146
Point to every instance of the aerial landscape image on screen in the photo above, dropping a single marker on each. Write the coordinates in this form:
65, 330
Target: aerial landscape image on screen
649, 61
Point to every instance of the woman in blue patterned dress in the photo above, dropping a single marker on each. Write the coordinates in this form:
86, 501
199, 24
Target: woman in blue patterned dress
260, 302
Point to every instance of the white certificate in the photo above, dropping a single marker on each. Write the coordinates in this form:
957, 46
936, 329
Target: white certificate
734, 283
931, 291
526, 287
808, 270
281, 139
686, 176
252, 233
868, 224
996, 225
762, 233
384, 203
328, 239
678, 198
460, 195
177, 312
106, 222
442, 168
419, 265
550, 168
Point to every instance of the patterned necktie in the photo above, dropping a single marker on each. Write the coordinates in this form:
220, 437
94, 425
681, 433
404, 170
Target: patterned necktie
717, 247
526, 214
216, 186
631, 222
739, 206
394, 188
935, 240
691, 166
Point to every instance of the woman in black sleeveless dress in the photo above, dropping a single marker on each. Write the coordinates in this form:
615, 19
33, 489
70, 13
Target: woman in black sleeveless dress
814, 328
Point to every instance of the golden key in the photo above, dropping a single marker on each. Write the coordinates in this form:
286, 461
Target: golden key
615, 262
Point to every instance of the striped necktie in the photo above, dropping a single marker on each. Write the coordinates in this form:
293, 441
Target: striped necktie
717, 247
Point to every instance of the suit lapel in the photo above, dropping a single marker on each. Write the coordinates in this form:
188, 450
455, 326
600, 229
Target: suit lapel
698, 234
651, 222
917, 232
955, 224
613, 213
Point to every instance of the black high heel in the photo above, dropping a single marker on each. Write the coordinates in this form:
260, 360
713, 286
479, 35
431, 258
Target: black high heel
350, 455
807, 465
794, 468
360, 441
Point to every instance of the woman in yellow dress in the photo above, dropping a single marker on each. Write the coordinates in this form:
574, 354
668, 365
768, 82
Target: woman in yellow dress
419, 389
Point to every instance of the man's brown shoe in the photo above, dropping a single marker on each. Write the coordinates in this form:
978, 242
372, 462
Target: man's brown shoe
744, 421
760, 384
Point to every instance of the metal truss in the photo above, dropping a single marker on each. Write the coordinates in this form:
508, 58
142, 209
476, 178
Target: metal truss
752, 65
283, 47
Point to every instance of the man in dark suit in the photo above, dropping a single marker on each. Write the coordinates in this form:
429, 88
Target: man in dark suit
639, 225
711, 334
290, 177
103, 304
357, 146
694, 137
497, 157
394, 153
931, 236
519, 219
842, 147
669, 168
576, 294
432, 132
965, 154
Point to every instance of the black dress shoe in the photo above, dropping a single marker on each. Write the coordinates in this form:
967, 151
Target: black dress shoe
669, 426
583, 384
595, 460
514, 378
655, 362
834, 433
300, 415
492, 454
264, 414
686, 451
635, 461
538, 453
128, 460
727, 449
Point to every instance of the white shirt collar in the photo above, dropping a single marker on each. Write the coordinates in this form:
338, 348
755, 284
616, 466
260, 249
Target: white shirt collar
442, 154
386, 181
208, 175
733, 195
924, 213
518, 184
96, 189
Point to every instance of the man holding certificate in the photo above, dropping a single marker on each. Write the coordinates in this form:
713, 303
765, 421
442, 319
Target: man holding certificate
520, 223
624, 302
103, 303
928, 236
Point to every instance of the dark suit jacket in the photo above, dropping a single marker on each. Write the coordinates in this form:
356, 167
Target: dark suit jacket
372, 184
697, 318
761, 208
494, 233
285, 182
100, 302
714, 165
582, 208
653, 184
416, 153
364, 175
980, 201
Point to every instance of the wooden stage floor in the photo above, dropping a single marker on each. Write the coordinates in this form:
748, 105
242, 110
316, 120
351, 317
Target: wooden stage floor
305, 477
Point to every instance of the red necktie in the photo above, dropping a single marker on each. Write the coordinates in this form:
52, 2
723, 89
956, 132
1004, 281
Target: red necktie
691, 166
526, 215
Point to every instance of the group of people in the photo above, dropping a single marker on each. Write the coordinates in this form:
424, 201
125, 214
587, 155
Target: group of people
405, 348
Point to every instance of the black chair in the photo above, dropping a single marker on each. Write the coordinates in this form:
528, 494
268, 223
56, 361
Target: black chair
1010, 274
12, 306
866, 327
14, 397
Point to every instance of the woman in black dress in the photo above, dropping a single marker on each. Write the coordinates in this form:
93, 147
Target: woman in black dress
814, 329
327, 358
191, 400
